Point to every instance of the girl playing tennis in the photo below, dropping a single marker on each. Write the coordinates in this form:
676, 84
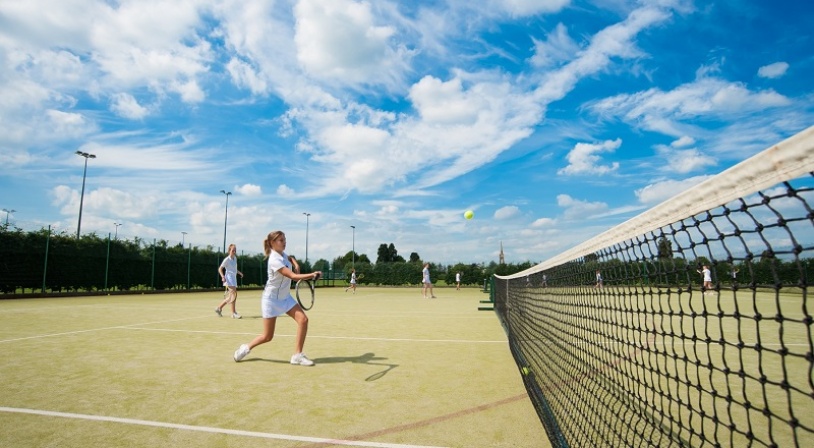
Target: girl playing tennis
277, 299
228, 274
707, 274
352, 281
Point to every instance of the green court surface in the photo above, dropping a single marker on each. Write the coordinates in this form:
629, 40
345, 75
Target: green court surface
392, 370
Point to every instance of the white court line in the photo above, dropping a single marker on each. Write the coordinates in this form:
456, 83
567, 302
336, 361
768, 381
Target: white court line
355, 338
234, 432
39, 336
136, 327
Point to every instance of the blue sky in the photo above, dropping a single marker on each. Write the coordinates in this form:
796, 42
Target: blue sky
553, 120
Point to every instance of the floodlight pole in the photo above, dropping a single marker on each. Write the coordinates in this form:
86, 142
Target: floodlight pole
7, 213
353, 248
116, 235
183, 235
82, 195
225, 217
306, 236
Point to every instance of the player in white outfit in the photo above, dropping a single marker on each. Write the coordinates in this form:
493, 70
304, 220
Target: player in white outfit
352, 281
228, 274
707, 279
425, 273
277, 299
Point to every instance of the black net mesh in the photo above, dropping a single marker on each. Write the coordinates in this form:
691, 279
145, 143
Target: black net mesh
652, 355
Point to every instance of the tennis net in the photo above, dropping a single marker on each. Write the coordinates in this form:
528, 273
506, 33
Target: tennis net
622, 341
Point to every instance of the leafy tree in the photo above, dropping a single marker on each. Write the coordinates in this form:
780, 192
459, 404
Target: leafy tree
665, 248
388, 254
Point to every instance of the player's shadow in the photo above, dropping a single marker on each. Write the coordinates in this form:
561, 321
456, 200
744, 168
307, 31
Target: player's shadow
367, 358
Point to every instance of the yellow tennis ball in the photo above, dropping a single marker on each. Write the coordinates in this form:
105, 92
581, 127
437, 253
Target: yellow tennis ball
469, 214
525, 370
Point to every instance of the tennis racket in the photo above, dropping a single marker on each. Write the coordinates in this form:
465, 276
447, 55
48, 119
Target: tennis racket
303, 298
360, 276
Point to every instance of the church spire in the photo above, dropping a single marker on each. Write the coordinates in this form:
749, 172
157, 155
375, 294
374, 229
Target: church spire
502, 260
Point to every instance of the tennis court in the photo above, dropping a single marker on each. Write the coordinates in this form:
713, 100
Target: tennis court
392, 369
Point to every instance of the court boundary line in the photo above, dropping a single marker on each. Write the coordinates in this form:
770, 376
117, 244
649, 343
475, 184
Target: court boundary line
207, 429
116, 327
313, 336
137, 326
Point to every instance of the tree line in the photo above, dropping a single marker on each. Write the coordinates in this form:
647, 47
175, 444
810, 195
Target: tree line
45, 261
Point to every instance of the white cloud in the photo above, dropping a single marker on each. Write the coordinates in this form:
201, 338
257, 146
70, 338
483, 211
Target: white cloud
190, 91
773, 71
662, 190
507, 212
615, 41
125, 105
69, 123
665, 111
683, 142
245, 76
583, 159
575, 209
683, 161
439, 102
557, 47
249, 190
339, 41
543, 222
523, 8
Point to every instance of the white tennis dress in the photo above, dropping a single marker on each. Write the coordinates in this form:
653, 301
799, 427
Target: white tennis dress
277, 298
229, 266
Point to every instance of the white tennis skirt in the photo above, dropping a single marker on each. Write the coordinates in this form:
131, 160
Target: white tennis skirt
276, 307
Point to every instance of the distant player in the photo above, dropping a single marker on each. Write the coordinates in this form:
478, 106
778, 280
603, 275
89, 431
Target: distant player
598, 280
707, 278
425, 280
352, 281
458, 281
228, 274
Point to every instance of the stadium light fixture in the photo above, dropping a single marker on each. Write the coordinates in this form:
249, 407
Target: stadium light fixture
116, 236
225, 217
353, 248
183, 235
82, 195
7, 213
306, 236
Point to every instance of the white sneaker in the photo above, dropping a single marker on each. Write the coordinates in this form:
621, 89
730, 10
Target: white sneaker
301, 360
241, 352
236, 316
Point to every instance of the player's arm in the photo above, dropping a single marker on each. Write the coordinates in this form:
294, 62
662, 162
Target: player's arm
286, 272
296, 266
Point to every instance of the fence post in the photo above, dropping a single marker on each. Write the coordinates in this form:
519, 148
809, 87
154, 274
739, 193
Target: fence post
45, 267
152, 275
189, 263
107, 259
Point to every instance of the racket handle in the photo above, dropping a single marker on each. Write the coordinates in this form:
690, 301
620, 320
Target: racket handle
318, 275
